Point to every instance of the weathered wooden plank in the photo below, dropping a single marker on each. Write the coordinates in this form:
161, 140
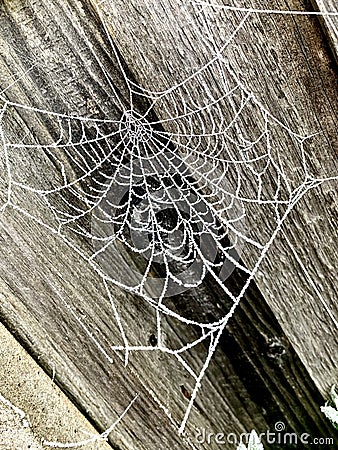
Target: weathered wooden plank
38, 271
330, 24
50, 415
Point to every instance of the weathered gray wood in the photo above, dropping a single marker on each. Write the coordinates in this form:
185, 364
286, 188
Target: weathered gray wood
330, 24
35, 266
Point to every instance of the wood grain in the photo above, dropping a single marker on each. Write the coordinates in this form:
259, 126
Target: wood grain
329, 24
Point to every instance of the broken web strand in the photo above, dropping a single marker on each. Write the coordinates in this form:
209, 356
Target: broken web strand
92, 438
214, 330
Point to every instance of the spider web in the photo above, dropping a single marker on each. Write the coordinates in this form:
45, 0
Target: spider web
165, 201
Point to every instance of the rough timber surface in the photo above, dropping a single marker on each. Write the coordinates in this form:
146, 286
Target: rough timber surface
279, 347
330, 24
32, 408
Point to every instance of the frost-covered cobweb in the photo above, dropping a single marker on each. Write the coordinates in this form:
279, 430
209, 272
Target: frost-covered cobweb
165, 200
